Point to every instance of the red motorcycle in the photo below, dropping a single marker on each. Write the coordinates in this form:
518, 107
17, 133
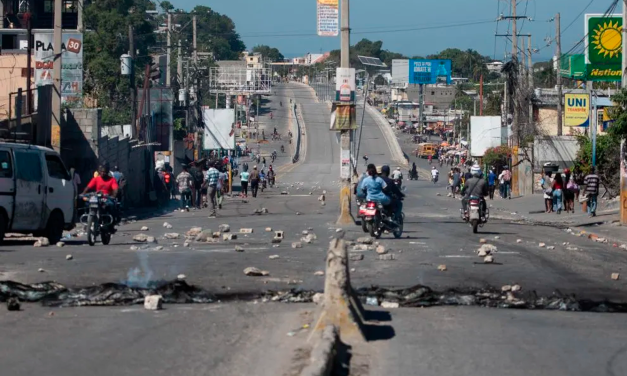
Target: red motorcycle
375, 219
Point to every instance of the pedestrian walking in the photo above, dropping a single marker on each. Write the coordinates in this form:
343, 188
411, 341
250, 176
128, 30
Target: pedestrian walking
547, 183
212, 188
558, 187
254, 181
457, 181
491, 183
592, 182
184, 181
571, 190
243, 176
506, 177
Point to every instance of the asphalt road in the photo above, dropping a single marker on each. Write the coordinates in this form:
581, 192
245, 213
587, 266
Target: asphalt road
211, 339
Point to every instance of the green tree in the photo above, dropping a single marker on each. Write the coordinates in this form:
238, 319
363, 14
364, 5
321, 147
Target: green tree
106, 41
269, 53
544, 75
166, 6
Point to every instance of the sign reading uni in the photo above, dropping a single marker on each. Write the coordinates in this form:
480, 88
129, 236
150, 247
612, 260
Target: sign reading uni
576, 110
71, 64
429, 71
604, 47
328, 18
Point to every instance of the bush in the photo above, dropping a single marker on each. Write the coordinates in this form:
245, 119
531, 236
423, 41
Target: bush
607, 160
497, 157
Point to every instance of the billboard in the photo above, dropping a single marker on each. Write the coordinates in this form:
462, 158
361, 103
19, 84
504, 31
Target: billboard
218, 129
345, 85
400, 71
343, 117
576, 110
573, 67
328, 18
71, 64
423, 71
604, 47
486, 132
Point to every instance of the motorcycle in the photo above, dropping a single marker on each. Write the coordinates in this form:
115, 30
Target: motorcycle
375, 219
477, 214
434, 179
413, 175
264, 183
98, 221
282, 149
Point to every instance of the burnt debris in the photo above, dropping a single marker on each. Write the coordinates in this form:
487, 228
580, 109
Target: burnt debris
179, 292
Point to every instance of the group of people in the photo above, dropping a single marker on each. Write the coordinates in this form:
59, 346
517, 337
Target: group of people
379, 187
202, 184
255, 178
560, 191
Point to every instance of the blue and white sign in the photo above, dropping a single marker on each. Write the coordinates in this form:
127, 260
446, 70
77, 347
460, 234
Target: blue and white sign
429, 71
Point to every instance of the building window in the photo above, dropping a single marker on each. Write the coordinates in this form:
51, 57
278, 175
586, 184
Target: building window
70, 6
48, 6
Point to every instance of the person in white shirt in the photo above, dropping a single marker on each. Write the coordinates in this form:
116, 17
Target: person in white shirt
434, 174
397, 174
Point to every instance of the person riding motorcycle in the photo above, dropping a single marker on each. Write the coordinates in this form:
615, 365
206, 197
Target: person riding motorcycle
282, 149
476, 186
435, 174
393, 191
107, 185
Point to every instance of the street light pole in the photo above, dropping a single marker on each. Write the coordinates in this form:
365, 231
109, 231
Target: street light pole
345, 136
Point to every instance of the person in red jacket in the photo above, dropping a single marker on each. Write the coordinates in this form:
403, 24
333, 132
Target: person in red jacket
107, 185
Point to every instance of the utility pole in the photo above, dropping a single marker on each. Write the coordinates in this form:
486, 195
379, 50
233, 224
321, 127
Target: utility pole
131, 48
530, 77
515, 61
558, 54
168, 74
345, 136
29, 64
56, 76
179, 65
195, 53
623, 156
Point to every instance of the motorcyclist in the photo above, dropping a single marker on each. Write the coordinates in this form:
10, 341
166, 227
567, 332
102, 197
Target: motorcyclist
373, 187
365, 159
476, 186
397, 174
414, 170
107, 185
393, 191
282, 149
434, 174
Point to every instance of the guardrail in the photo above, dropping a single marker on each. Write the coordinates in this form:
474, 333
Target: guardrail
296, 154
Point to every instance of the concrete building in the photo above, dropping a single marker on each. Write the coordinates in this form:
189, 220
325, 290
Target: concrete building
442, 97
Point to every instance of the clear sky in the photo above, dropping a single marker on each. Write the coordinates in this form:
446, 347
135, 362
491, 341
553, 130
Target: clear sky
412, 27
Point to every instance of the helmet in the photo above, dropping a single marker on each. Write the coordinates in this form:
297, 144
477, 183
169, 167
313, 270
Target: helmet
385, 170
398, 168
475, 170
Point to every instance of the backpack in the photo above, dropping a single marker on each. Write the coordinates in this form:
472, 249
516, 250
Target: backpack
507, 175
198, 176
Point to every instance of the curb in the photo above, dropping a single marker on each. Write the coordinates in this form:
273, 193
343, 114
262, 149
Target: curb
323, 354
390, 137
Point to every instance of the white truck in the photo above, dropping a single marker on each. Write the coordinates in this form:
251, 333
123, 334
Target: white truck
37, 193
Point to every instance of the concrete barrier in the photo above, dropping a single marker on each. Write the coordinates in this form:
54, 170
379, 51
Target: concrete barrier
296, 154
341, 307
323, 354
390, 138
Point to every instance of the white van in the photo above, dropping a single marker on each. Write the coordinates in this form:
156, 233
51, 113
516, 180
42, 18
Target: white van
36, 192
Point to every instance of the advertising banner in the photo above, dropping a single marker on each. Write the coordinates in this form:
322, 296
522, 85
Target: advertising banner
573, 67
218, 129
400, 71
343, 117
486, 132
576, 110
345, 85
604, 47
71, 64
328, 18
429, 71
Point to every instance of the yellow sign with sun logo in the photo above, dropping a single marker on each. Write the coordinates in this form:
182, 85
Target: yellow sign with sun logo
605, 47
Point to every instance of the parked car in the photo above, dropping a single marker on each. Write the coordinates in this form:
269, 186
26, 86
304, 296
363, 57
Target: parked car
36, 192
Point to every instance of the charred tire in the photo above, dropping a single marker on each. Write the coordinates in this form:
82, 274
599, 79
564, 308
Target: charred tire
91, 236
105, 236
475, 225
54, 228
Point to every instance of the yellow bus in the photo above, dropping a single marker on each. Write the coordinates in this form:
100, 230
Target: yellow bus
426, 149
